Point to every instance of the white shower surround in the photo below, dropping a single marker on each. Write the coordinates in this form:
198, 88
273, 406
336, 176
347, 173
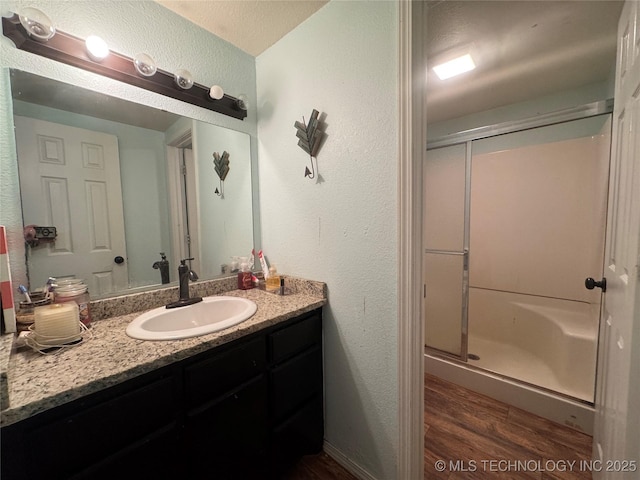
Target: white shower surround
546, 342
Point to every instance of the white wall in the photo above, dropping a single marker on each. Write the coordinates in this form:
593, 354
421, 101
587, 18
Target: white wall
340, 229
129, 27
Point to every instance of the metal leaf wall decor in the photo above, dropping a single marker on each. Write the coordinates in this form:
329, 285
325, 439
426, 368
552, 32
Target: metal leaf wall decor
221, 166
310, 137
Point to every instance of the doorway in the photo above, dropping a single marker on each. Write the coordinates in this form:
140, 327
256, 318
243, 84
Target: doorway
181, 177
514, 223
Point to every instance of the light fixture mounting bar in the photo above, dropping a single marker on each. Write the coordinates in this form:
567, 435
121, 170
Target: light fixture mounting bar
66, 48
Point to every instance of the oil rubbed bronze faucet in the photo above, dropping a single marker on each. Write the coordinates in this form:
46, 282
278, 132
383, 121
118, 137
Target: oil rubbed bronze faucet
185, 274
163, 265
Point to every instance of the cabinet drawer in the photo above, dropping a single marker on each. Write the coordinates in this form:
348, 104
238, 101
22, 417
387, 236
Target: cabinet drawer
60, 448
295, 338
295, 381
214, 376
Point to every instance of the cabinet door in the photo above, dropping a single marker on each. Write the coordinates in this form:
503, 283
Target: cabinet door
152, 457
76, 441
301, 434
227, 439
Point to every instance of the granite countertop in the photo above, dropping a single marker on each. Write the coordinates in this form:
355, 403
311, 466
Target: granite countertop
108, 356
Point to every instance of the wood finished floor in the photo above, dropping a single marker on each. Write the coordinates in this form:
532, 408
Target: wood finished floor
319, 467
463, 427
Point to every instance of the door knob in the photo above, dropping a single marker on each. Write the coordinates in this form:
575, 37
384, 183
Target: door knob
118, 260
590, 283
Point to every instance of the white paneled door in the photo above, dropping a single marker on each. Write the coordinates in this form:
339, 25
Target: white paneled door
70, 179
617, 429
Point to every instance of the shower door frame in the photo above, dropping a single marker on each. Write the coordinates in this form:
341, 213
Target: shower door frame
464, 325
593, 109
467, 137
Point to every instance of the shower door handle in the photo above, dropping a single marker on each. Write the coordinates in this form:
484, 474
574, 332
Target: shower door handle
590, 283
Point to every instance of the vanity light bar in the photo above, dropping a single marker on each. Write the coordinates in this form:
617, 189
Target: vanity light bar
66, 48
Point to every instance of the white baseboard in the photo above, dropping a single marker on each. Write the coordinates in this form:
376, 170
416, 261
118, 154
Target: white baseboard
346, 462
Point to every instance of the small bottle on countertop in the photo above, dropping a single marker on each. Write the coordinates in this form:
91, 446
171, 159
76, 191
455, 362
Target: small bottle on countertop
273, 280
245, 282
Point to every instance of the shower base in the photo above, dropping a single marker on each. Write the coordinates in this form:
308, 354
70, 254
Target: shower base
519, 364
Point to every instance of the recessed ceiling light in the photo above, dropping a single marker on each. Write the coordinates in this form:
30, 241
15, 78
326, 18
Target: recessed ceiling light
454, 67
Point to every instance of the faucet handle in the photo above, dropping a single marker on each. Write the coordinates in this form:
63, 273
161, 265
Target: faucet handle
184, 260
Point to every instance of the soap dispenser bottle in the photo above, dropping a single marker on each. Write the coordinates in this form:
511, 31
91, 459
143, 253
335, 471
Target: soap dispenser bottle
245, 282
273, 281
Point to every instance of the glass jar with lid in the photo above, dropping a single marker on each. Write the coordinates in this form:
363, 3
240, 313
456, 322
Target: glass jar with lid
74, 290
25, 312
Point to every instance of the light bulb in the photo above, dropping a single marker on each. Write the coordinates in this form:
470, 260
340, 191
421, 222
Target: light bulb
183, 79
216, 92
455, 67
37, 24
243, 102
145, 65
96, 48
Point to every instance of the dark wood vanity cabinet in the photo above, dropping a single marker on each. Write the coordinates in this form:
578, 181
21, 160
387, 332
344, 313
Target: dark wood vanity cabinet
296, 391
226, 422
111, 432
246, 409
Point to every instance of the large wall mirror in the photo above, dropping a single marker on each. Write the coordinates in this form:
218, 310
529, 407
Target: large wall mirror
122, 182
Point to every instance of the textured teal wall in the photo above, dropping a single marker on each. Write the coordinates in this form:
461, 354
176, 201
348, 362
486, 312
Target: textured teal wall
341, 227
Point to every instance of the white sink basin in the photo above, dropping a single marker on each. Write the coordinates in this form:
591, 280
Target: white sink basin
211, 315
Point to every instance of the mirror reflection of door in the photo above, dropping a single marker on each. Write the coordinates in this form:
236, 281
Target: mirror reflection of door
70, 179
181, 176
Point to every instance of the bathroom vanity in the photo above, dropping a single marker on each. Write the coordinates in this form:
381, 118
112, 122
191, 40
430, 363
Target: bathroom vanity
237, 404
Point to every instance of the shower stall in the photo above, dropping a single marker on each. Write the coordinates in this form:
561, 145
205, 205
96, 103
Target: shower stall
514, 222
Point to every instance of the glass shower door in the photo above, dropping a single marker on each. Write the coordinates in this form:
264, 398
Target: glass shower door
446, 209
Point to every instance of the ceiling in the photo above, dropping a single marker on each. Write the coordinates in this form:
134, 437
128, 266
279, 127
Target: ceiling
250, 25
523, 49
